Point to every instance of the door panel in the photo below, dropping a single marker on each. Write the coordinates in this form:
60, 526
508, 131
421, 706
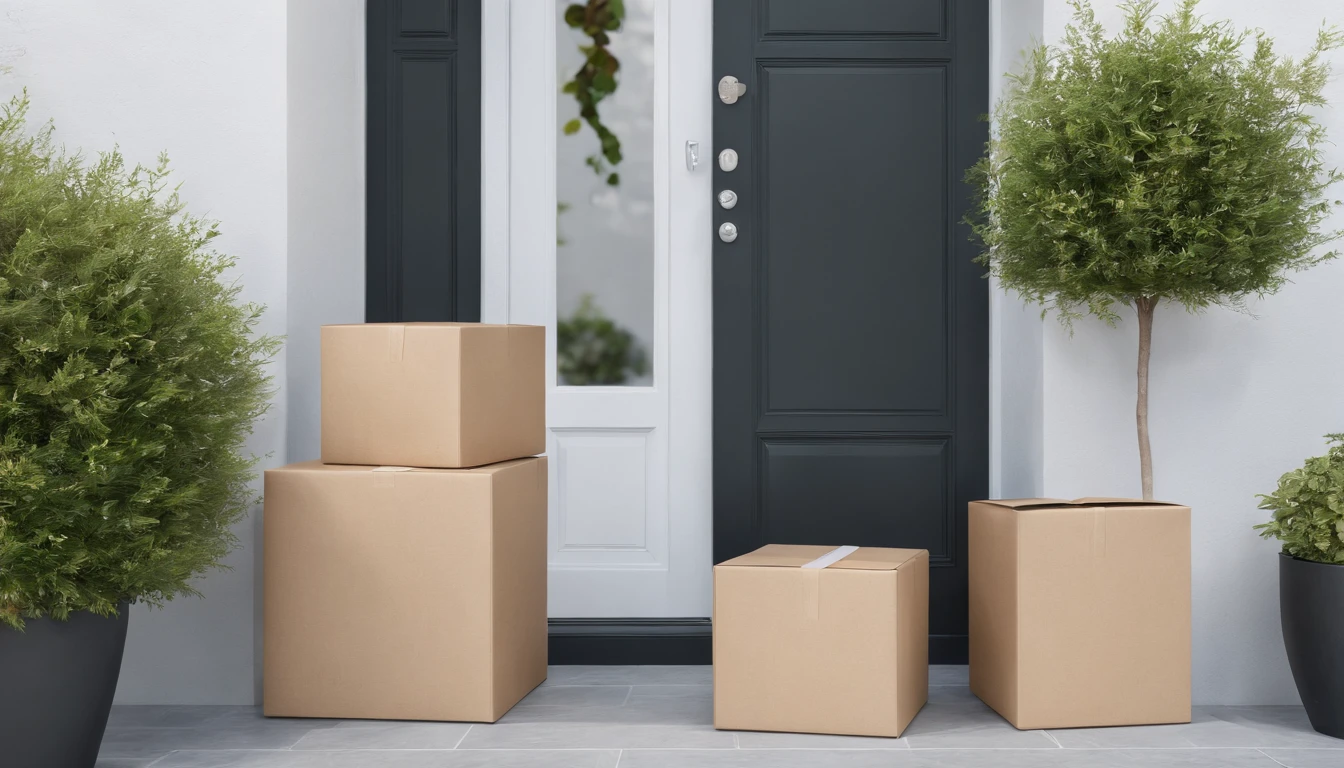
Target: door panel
863, 17
850, 324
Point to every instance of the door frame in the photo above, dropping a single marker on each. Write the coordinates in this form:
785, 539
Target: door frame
1015, 358
518, 220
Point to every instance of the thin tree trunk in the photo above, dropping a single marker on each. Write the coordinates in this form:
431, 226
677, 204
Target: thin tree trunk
1145, 307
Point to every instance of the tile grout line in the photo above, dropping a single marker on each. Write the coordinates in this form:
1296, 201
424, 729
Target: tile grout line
621, 753
464, 736
1271, 757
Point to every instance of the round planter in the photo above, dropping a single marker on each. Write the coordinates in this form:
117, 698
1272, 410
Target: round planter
59, 677
1311, 608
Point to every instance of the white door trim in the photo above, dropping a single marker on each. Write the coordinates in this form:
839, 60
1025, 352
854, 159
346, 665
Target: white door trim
672, 420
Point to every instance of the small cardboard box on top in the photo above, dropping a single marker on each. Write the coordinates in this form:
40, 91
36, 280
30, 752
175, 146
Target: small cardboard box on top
821, 640
404, 594
432, 394
1080, 611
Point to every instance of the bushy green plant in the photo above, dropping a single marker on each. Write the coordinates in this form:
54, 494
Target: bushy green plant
1178, 161
593, 349
129, 379
1308, 508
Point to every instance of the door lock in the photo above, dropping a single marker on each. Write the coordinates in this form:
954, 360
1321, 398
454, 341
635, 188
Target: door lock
730, 90
727, 231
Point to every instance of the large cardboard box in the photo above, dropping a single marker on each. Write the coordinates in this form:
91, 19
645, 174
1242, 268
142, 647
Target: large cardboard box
432, 394
404, 594
1080, 611
821, 640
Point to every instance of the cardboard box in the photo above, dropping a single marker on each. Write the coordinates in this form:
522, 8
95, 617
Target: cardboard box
404, 594
432, 394
802, 644
1080, 611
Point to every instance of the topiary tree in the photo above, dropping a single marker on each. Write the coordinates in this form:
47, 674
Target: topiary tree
130, 377
1175, 162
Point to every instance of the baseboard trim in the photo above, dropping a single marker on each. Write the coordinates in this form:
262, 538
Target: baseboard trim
673, 641
630, 641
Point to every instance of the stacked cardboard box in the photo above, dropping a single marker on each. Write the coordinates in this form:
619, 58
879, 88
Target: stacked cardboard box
405, 574
1080, 611
821, 640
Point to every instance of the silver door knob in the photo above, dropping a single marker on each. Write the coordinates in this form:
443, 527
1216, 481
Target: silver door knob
727, 231
730, 90
728, 160
727, 199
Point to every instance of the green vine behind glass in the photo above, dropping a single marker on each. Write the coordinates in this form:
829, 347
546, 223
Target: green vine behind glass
596, 79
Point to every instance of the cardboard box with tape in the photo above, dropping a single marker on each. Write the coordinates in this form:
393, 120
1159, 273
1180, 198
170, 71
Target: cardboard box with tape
821, 640
1080, 611
432, 394
404, 594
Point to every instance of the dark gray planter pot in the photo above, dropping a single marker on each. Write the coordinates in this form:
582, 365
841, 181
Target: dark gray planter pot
1311, 608
58, 680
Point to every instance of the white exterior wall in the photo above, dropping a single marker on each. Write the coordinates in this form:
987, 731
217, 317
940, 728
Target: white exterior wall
206, 83
261, 105
1236, 401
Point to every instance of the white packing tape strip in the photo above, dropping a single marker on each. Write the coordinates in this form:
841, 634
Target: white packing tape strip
832, 557
393, 469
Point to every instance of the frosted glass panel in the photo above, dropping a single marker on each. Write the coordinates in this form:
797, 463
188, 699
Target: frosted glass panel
604, 190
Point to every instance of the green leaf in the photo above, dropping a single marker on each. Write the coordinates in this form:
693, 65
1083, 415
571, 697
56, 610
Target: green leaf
614, 179
572, 127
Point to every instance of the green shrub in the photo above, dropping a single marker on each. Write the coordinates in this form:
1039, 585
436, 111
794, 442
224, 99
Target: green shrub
593, 349
1308, 508
1177, 161
129, 379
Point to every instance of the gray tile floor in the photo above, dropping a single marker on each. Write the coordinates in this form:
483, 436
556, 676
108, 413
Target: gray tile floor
657, 717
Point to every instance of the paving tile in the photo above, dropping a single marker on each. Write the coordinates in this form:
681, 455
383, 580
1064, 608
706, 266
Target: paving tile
949, 674
175, 716
1306, 758
144, 742
575, 758
969, 724
769, 740
125, 762
672, 691
644, 710
1278, 726
372, 734
577, 696
946, 758
630, 675
1203, 730
760, 758
588, 735
952, 694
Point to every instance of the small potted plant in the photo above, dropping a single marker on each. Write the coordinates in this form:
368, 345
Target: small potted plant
130, 377
1308, 518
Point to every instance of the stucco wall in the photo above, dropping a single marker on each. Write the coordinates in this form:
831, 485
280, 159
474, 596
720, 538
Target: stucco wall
206, 82
1236, 401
